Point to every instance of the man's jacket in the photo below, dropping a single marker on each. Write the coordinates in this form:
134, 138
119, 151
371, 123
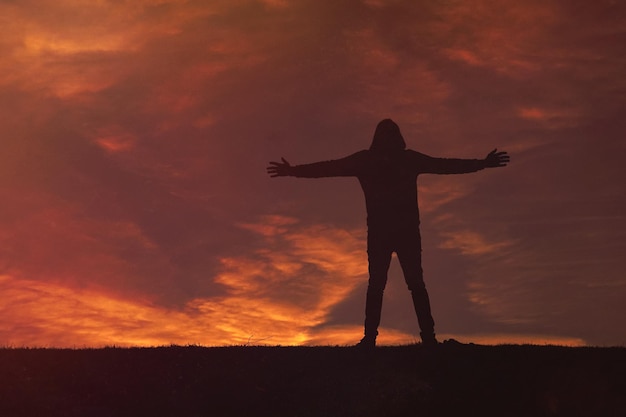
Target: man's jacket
388, 181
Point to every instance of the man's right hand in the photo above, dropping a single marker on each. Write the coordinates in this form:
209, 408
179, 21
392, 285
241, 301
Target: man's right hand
497, 159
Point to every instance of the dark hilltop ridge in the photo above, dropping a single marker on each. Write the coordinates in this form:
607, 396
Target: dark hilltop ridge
451, 379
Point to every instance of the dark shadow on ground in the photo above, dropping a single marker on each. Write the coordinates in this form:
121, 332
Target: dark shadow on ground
452, 379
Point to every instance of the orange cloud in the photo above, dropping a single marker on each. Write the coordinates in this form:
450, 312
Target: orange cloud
551, 117
436, 192
69, 47
117, 143
280, 4
346, 335
409, 89
472, 243
466, 56
493, 298
279, 295
504, 38
37, 314
273, 225
47, 314
289, 288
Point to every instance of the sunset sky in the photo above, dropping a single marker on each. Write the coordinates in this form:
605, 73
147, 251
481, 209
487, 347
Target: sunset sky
136, 210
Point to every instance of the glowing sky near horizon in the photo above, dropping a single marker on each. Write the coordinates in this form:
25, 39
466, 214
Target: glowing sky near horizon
137, 211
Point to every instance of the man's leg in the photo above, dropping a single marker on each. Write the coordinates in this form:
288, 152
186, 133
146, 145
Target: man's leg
379, 257
410, 256
421, 303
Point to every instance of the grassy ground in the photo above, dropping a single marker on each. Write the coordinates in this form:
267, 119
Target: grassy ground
454, 379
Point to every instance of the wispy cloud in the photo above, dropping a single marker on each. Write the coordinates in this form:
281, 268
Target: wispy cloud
279, 295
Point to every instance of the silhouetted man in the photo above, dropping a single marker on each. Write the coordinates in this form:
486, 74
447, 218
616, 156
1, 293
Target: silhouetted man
387, 173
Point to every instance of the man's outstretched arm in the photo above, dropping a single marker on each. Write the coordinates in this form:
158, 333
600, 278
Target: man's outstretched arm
432, 165
344, 167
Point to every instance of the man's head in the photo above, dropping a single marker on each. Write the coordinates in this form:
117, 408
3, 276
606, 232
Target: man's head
387, 138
